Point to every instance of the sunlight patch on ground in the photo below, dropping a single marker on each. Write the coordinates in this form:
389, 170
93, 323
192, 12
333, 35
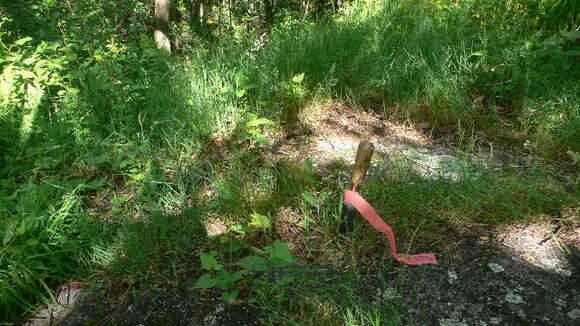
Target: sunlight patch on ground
430, 162
66, 297
214, 227
334, 131
538, 246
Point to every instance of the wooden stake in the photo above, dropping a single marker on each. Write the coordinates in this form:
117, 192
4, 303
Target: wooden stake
363, 160
361, 166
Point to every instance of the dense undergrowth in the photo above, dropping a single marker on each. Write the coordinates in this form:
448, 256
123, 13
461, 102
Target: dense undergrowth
112, 152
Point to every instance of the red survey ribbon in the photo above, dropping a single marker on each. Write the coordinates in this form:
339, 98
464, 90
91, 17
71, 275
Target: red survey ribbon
367, 211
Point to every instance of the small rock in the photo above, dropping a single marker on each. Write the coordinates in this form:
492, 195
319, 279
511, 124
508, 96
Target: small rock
514, 298
566, 272
451, 322
574, 314
495, 320
528, 259
561, 302
452, 277
496, 268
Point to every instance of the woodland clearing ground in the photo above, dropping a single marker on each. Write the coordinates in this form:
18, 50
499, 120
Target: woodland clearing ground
511, 263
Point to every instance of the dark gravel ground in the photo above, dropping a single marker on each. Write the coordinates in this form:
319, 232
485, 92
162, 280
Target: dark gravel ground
485, 285
516, 277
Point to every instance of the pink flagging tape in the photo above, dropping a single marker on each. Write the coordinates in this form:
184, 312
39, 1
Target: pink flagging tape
367, 211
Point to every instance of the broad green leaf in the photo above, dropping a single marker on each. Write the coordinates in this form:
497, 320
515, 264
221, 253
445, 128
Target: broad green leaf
242, 229
253, 263
256, 122
297, 79
241, 79
310, 199
571, 35
260, 221
29, 61
27, 74
206, 281
280, 255
226, 280
209, 262
96, 184
261, 140
529, 44
230, 296
240, 93
23, 41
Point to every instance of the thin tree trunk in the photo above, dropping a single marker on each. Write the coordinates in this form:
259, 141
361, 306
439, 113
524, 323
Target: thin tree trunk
230, 12
206, 11
162, 25
268, 12
194, 8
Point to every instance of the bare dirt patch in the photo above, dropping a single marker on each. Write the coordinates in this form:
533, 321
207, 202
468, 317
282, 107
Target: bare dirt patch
330, 133
286, 227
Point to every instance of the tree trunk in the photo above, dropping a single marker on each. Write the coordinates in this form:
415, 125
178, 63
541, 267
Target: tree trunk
162, 25
336, 4
194, 8
206, 7
268, 12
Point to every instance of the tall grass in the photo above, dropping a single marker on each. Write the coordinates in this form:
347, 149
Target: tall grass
460, 63
123, 136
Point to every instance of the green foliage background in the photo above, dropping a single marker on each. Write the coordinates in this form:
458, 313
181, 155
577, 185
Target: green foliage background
91, 114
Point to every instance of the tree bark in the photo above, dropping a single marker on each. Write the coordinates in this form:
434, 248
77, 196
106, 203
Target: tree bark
194, 8
162, 25
268, 12
206, 8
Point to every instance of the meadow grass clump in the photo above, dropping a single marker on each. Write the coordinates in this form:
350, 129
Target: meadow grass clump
478, 195
323, 296
456, 64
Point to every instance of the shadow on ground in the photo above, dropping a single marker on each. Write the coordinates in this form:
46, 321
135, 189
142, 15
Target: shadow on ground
477, 283
482, 284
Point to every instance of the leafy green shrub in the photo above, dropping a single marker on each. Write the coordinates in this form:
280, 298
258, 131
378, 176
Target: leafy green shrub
273, 256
